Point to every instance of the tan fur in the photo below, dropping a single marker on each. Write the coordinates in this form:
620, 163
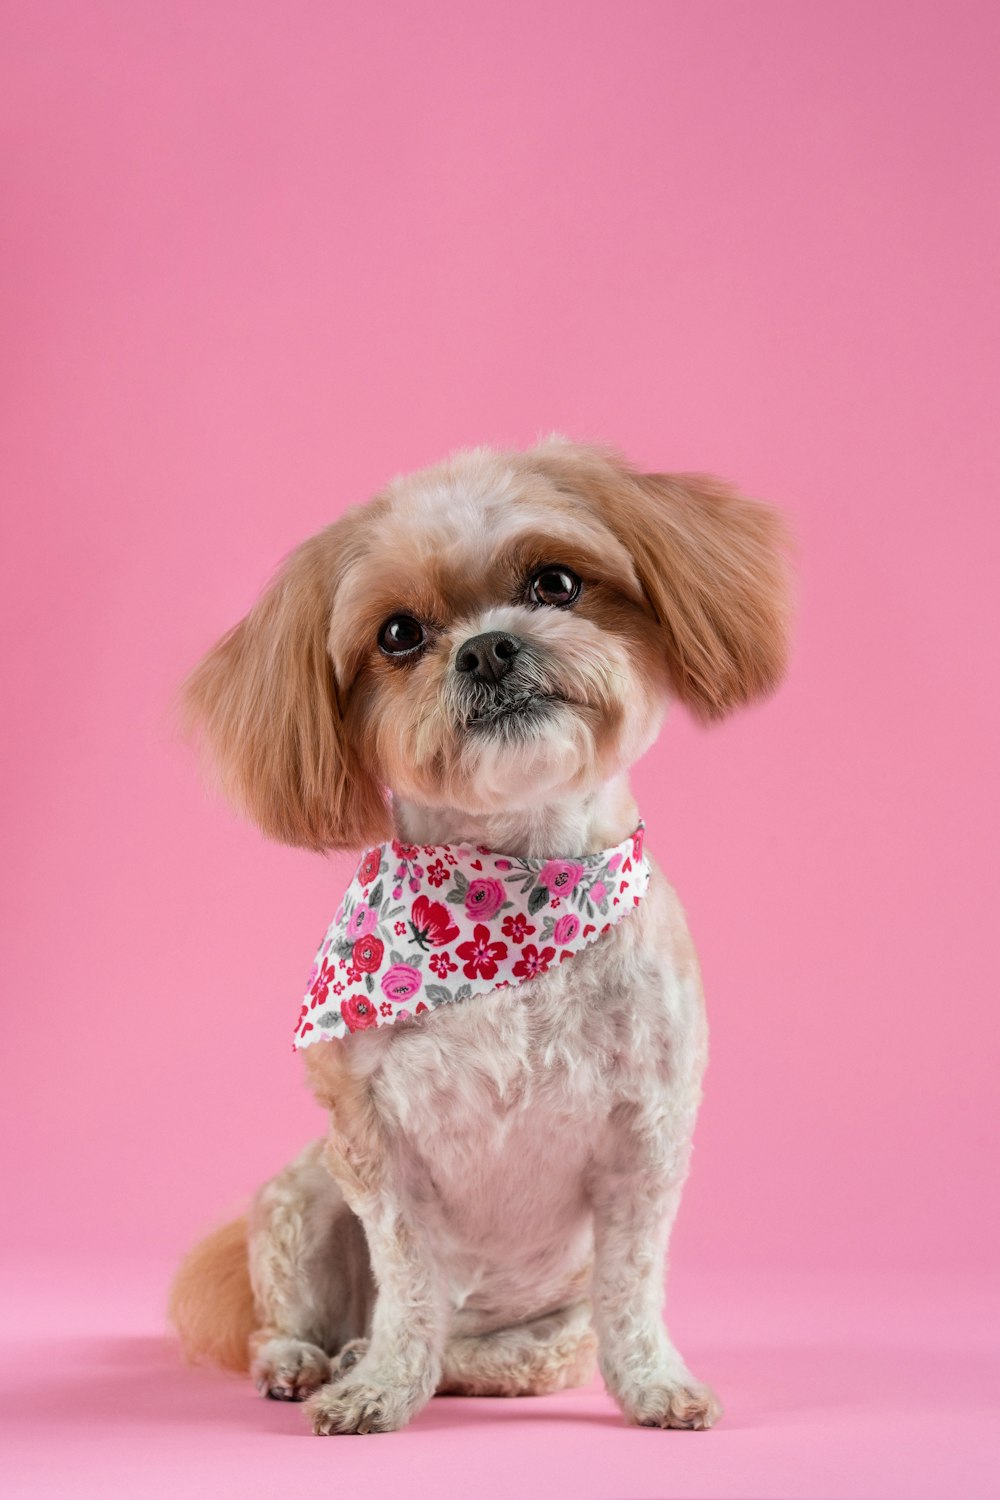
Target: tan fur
712, 566
211, 1300
267, 705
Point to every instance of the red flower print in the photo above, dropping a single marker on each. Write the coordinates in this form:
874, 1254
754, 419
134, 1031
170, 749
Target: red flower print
338, 989
385, 1009
367, 953
480, 954
321, 984
532, 963
431, 923
399, 928
358, 1013
437, 873
517, 927
368, 868
353, 975
405, 851
442, 965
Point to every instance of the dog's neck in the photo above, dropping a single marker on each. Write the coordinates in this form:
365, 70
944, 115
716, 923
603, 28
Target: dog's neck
566, 826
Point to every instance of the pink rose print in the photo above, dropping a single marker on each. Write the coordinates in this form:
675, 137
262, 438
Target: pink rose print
438, 873
560, 876
532, 963
598, 891
358, 1013
363, 921
367, 954
322, 982
441, 964
503, 864
431, 923
517, 927
368, 868
484, 898
480, 955
400, 982
566, 929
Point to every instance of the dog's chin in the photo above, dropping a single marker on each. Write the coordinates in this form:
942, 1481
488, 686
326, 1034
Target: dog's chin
524, 753
519, 717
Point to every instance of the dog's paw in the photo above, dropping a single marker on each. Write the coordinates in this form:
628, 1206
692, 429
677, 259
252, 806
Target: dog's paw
289, 1370
346, 1358
685, 1405
360, 1405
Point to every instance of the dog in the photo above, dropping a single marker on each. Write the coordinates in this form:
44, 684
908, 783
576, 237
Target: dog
460, 674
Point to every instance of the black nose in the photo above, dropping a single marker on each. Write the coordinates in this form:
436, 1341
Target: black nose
489, 656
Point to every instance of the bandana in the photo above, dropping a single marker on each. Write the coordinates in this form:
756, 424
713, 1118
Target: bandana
426, 925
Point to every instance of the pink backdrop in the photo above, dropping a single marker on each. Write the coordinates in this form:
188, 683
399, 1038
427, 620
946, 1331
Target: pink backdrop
257, 259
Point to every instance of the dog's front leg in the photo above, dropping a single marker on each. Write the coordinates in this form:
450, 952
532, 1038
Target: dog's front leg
401, 1366
636, 1192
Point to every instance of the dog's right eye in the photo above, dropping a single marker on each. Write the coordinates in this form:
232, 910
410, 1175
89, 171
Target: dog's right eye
401, 635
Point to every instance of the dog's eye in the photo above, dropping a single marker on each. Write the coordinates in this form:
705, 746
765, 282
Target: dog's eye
554, 585
401, 635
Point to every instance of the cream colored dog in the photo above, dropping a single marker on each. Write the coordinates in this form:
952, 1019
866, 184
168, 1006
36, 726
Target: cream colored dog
492, 1201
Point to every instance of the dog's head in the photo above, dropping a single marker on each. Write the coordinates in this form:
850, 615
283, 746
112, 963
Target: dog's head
490, 634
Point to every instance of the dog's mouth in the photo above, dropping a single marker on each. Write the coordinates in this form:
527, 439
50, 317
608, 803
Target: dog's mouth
512, 712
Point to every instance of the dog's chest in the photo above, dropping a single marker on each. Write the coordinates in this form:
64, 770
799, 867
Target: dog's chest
497, 1107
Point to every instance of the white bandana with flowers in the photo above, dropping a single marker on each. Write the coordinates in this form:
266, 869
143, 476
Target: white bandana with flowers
423, 925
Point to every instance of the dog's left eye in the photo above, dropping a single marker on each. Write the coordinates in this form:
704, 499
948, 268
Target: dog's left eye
555, 585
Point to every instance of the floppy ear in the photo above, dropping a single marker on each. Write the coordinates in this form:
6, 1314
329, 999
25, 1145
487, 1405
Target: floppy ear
266, 704
712, 567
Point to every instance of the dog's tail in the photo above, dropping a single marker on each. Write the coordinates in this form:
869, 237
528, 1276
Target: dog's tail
211, 1300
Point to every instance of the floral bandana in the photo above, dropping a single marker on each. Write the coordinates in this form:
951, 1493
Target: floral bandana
424, 925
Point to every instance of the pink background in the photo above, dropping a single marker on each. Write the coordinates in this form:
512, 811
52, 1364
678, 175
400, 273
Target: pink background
257, 259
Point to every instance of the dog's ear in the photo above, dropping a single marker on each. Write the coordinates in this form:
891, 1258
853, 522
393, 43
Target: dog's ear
713, 569
265, 702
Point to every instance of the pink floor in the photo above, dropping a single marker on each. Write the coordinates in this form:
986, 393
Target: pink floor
834, 1388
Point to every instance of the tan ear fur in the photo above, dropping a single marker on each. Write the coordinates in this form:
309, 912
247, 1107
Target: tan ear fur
266, 705
712, 566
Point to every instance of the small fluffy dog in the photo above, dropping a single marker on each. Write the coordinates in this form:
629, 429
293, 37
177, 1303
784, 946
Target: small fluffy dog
472, 662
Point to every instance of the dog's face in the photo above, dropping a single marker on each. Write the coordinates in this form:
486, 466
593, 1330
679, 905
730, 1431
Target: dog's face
495, 633
491, 644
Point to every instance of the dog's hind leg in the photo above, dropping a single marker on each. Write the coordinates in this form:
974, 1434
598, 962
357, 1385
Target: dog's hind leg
311, 1279
548, 1354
